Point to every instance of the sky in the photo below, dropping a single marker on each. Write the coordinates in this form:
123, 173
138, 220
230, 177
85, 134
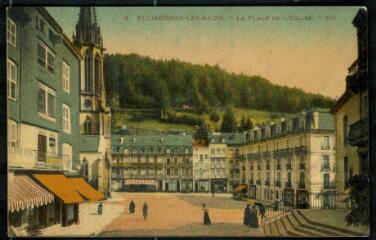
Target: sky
309, 48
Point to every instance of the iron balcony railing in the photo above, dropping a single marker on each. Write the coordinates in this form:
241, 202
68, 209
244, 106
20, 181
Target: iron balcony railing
34, 159
258, 182
302, 185
325, 147
277, 183
288, 184
267, 183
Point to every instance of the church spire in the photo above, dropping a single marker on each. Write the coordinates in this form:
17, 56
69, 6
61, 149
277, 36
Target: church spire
87, 29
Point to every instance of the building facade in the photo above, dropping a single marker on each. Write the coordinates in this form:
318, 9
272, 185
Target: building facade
351, 113
43, 76
152, 163
201, 165
95, 115
291, 161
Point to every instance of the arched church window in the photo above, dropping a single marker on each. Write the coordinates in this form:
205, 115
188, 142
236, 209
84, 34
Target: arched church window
88, 85
97, 74
87, 125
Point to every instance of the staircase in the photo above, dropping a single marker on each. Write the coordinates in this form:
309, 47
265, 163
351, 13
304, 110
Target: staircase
296, 224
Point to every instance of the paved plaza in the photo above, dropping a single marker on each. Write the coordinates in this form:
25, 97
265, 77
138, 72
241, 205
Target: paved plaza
178, 214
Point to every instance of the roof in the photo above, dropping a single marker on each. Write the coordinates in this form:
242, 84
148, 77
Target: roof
226, 138
89, 143
24, 192
326, 121
59, 185
200, 143
152, 140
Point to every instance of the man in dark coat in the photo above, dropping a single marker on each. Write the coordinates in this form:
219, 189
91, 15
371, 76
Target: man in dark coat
253, 221
145, 211
247, 215
206, 215
132, 207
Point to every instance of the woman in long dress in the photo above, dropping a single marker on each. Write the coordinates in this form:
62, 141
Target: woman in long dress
253, 223
247, 215
132, 207
206, 215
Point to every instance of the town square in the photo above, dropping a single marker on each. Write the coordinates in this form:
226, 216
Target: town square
198, 122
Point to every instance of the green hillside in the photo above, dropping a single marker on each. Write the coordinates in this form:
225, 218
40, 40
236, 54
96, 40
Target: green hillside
141, 82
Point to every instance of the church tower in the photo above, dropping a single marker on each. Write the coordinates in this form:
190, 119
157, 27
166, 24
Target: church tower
88, 39
95, 115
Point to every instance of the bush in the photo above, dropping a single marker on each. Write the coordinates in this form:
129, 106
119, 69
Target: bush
214, 117
172, 117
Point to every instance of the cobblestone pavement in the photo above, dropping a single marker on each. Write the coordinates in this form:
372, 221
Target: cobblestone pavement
176, 214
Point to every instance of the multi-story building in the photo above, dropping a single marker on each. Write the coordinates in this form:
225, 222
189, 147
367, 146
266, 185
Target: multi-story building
43, 76
218, 162
152, 163
95, 115
351, 113
291, 161
201, 165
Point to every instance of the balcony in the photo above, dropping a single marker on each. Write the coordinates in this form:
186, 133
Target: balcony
358, 133
302, 166
258, 182
288, 184
325, 167
300, 150
301, 185
288, 166
139, 164
33, 159
277, 183
267, 183
329, 186
325, 147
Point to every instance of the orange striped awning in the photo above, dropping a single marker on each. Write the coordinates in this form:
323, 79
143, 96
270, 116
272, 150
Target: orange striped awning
87, 191
24, 192
139, 181
59, 185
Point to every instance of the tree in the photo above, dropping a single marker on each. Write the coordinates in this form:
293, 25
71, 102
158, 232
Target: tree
214, 116
228, 121
202, 132
359, 186
248, 124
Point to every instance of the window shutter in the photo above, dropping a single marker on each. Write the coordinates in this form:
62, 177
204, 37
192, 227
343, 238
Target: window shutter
41, 101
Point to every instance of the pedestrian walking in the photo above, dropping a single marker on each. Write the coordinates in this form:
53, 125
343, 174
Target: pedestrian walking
253, 221
145, 210
100, 208
262, 212
132, 207
206, 215
247, 216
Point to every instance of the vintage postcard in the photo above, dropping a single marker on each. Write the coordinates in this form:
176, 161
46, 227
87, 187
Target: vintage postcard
187, 121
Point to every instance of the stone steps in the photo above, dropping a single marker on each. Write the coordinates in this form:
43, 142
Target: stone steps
296, 224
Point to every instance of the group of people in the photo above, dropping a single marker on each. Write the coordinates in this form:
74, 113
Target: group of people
145, 208
250, 215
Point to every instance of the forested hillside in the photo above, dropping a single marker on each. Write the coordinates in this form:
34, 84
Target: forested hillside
141, 82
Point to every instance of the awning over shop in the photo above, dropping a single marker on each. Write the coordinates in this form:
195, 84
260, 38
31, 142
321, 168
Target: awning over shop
140, 182
59, 185
87, 191
24, 192
240, 188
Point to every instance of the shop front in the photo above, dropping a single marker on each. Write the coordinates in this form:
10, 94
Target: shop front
140, 185
30, 207
288, 197
203, 185
186, 185
69, 193
220, 185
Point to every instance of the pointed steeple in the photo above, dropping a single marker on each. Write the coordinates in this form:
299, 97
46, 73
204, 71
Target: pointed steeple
87, 29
